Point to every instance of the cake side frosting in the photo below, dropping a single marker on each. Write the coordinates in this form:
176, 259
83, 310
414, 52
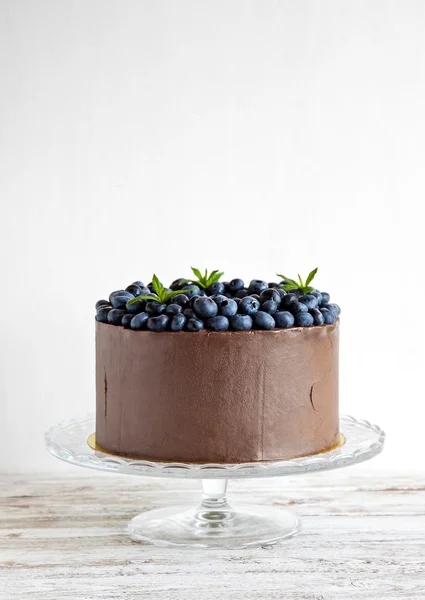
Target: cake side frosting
217, 396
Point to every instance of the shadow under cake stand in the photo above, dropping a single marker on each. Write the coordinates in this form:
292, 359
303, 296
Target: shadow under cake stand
214, 522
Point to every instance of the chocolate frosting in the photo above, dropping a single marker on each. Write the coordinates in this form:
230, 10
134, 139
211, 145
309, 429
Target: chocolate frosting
217, 396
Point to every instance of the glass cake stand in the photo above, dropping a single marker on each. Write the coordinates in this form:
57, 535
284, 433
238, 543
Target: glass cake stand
214, 522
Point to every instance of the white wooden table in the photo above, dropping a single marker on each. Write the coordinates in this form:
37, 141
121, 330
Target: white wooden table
62, 538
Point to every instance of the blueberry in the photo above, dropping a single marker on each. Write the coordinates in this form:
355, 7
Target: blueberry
263, 320
115, 316
257, 286
219, 299
319, 319
248, 306
304, 319
241, 293
284, 319
215, 288
136, 307
139, 321
218, 323
301, 308
190, 313
102, 314
256, 296
334, 308
269, 306
325, 298
205, 307
328, 316
270, 294
139, 284
120, 300
229, 307
177, 322
134, 289
126, 320
191, 290
194, 325
158, 323
309, 300
173, 309
241, 322
155, 308
177, 284
317, 295
235, 285
289, 302
102, 303
181, 299
273, 284
281, 292
237, 300
112, 294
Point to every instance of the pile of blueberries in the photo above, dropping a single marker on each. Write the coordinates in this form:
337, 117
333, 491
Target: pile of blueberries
222, 306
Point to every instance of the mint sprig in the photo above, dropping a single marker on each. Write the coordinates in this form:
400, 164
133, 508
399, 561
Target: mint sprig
205, 280
161, 295
303, 286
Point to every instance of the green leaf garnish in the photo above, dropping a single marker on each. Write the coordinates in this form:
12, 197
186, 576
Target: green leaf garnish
205, 280
162, 294
304, 287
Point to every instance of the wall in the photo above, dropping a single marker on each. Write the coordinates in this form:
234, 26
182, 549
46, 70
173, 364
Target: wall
250, 136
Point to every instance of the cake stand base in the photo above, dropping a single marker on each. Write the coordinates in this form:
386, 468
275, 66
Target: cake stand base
214, 523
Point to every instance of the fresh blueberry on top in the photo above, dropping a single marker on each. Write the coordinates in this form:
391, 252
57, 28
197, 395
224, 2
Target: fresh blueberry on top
103, 303
318, 317
263, 320
155, 308
241, 322
194, 325
309, 300
120, 300
126, 320
304, 319
177, 322
219, 299
134, 289
257, 286
205, 307
241, 293
102, 314
181, 299
215, 288
139, 284
273, 284
136, 307
256, 296
284, 319
270, 294
328, 316
248, 305
235, 285
218, 323
289, 302
317, 295
229, 307
139, 321
334, 308
112, 294
191, 292
158, 323
325, 298
301, 307
115, 316
269, 306
177, 284
190, 313
173, 309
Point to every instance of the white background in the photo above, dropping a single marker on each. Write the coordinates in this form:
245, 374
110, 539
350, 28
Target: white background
249, 136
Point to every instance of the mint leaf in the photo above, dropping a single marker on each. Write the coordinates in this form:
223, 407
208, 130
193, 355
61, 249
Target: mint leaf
176, 293
311, 276
197, 273
145, 297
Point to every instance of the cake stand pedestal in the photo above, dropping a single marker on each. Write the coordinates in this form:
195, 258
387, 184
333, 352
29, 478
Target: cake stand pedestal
214, 522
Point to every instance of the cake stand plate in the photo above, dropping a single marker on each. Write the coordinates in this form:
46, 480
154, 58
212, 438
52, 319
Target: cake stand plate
214, 523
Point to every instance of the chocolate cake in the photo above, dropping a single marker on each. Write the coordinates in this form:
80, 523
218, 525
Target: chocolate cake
217, 393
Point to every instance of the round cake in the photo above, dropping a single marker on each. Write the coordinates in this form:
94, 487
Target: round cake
214, 374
